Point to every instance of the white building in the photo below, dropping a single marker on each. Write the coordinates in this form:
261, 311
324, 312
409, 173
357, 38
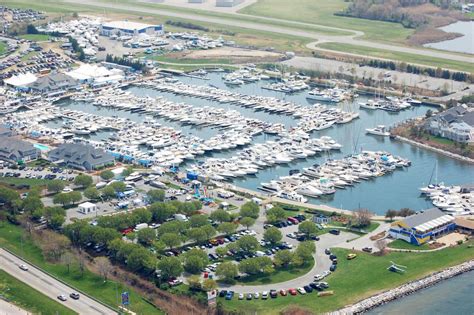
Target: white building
21, 81
87, 207
228, 3
121, 28
94, 74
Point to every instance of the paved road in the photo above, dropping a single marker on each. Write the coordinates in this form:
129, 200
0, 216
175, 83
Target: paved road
322, 264
49, 286
10, 309
349, 39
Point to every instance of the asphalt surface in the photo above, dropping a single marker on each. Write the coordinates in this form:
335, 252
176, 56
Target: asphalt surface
50, 286
10, 309
320, 38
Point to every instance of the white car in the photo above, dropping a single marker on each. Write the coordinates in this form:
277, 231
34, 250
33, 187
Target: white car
241, 296
264, 295
318, 277
326, 273
23, 267
291, 235
256, 295
62, 297
301, 291
67, 189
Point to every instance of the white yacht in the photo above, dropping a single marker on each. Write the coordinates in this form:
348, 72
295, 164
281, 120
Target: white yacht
380, 130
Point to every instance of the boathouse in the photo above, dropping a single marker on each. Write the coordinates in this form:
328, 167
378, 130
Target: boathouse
423, 226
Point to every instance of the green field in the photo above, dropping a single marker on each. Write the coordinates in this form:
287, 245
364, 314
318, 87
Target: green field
33, 182
322, 12
399, 56
3, 48
35, 37
90, 283
24, 296
188, 61
359, 278
280, 275
400, 244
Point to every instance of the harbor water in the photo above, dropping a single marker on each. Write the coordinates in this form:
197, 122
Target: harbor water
452, 296
393, 191
463, 44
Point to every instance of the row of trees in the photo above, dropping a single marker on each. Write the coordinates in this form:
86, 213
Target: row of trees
76, 48
136, 65
404, 212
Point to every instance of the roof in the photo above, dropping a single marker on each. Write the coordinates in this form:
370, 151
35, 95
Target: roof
12, 145
468, 118
52, 81
467, 224
428, 219
21, 80
80, 153
87, 71
87, 204
126, 25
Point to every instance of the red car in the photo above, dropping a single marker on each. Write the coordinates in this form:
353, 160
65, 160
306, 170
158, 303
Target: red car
126, 231
293, 291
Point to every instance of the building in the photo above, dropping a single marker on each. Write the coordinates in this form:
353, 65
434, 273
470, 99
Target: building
5, 131
13, 149
96, 75
422, 227
228, 3
53, 82
21, 81
81, 156
321, 219
196, 1
464, 226
456, 123
87, 207
127, 28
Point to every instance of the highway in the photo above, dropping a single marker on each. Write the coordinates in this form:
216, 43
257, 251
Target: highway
50, 286
318, 37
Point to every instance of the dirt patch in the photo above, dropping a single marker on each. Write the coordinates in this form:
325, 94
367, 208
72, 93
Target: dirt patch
431, 35
234, 54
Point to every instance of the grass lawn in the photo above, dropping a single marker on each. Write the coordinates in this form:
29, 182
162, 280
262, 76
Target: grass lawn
90, 283
33, 182
35, 37
188, 61
322, 12
399, 56
24, 296
280, 275
400, 244
359, 278
441, 140
3, 48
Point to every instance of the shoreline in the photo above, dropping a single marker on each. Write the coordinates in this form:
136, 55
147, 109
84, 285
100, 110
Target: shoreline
406, 289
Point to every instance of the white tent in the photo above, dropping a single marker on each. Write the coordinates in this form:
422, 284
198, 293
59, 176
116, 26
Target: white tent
87, 207
88, 72
21, 80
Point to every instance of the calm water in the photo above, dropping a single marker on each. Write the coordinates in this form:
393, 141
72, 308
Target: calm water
453, 296
464, 44
393, 191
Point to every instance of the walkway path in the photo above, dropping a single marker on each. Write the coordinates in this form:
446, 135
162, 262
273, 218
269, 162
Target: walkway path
7, 308
347, 39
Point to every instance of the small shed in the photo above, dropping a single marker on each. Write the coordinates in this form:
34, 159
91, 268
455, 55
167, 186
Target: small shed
321, 219
87, 207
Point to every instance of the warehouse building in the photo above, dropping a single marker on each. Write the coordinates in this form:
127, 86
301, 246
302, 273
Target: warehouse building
422, 227
228, 3
122, 28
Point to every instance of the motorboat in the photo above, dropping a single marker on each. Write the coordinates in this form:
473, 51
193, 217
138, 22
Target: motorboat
380, 130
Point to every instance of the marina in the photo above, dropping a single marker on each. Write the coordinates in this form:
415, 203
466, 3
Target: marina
206, 125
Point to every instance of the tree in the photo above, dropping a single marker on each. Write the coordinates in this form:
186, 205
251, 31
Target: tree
171, 240
390, 214
67, 258
361, 218
103, 266
54, 245
146, 236
62, 198
221, 251
227, 228
250, 209
141, 215
55, 185
198, 220
161, 211
209, 231
405, 212
91, 193
429, 113
106, 175
247, 222
275, 214
126, 172
170, 267
209, 285
256, 265
107, 192
194, 282
272, 235
227, 272
83, 180
140, 259
197, 234
308, 228
195, 260
381, 245
118, 186
75, 196
155, 195
32, 203
220, 215
31, 29
305, 250
283, 258
248, 244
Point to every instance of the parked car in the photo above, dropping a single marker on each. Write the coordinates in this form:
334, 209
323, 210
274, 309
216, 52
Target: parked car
335, 232
351, 256
249, 296
256, 295
367, 249
264, 295
333, 268
327, 251
229, 295
273, 294
308, 288
283, 292
301, 291
222, 293
292, 291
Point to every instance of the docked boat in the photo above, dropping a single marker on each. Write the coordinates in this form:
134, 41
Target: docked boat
380, 130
